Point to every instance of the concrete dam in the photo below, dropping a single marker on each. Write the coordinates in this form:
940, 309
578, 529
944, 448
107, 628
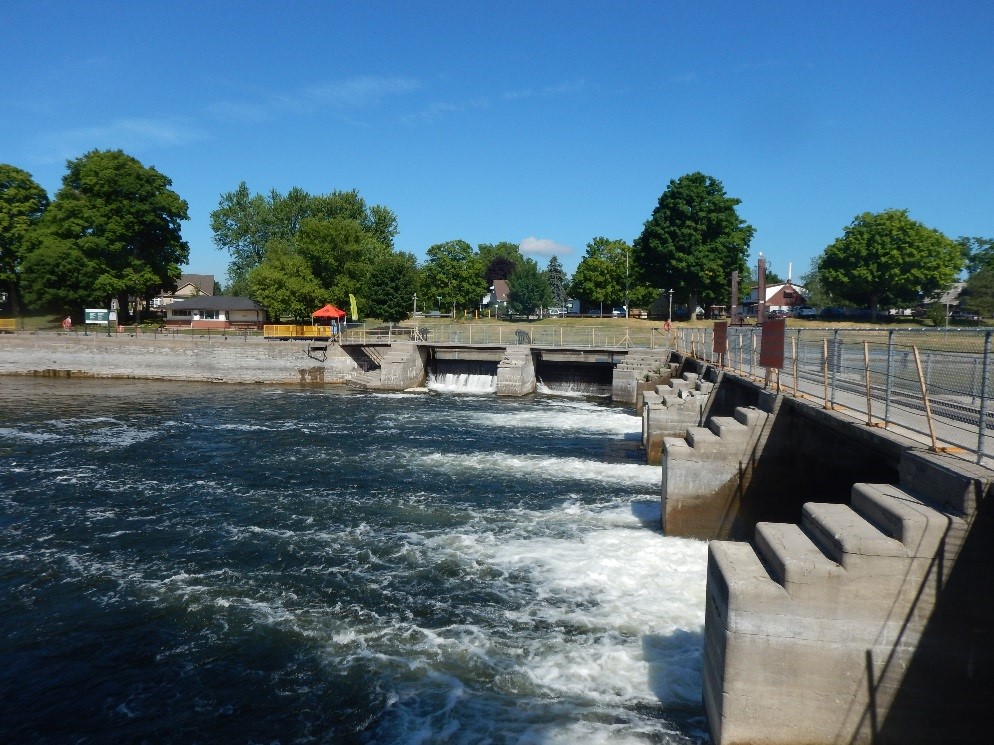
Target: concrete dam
850, 583
850, 589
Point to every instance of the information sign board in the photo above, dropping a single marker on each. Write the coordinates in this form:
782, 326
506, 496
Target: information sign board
96, 316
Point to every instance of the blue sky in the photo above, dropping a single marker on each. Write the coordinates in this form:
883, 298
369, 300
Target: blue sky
546, 123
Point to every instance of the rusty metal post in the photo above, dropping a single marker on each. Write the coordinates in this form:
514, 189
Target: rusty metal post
866, 369
985, 374
793, 349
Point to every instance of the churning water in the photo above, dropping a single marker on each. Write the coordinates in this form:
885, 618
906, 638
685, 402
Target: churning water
192, 563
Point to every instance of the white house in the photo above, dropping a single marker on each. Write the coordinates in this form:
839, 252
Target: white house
215, 312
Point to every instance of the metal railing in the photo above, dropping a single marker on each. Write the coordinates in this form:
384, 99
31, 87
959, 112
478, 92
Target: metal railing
934, 383
608, 336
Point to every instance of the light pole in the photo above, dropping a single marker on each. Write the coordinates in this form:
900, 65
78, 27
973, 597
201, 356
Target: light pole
438, 306
626, 283
670, 318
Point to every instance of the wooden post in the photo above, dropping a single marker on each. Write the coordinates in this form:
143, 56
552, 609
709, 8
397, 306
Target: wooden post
928, 409
824, 368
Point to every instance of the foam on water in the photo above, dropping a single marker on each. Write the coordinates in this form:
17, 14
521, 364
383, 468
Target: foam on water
565, 416
462, 383
326, 569
553, 470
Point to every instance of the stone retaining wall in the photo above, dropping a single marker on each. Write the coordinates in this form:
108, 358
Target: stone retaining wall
227, 358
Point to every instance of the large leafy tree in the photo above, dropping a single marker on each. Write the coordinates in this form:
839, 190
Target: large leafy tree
284, 284
500, 268
694, 240
978, 295
490, 251
607, 274
555, 277
454, 273
22, 204
244, 224
392, 284
341, 255
122, 218
977, 253
596, 279
886, 258
529, 290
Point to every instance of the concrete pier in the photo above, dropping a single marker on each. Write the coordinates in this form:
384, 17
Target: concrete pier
516, 372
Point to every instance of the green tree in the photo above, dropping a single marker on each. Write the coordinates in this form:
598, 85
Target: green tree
392, 284
58, 276
978, 295
529, 291
242, 225
285, 286
487, 252
500, 268
606, 272
814, 293
887, 258
555, 277
22, 204
694, 240
454, 273
341, 255
124, 219
977, 253
245, 224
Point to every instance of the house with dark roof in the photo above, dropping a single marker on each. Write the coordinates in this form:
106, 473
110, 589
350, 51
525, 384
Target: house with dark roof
188, 285
215, 312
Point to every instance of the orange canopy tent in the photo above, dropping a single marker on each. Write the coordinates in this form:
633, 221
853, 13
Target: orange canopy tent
328, 311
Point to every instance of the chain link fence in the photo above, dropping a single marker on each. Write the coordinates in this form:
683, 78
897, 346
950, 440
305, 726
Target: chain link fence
935, 383
608, 336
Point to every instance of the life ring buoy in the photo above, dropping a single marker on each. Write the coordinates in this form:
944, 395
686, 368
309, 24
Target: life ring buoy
667, 326
67, 324
120, 329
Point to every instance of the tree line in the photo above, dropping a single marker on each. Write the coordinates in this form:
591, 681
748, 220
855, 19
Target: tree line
112, 231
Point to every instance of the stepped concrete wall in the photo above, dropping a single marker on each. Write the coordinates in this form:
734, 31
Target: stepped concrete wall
803, 453
402, 367
861, 609
870, 622
217, 357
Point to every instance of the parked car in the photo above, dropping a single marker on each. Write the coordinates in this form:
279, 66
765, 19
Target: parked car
965, 316
806, 311
593, 314
774, 314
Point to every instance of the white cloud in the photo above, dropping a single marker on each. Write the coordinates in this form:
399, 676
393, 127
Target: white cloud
360, 91
543, 247
350, 93
131, 135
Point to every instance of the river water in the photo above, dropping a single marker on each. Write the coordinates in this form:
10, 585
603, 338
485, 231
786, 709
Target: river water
203, 563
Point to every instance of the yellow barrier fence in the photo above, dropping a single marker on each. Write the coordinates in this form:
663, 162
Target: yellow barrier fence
8, 325
289, 331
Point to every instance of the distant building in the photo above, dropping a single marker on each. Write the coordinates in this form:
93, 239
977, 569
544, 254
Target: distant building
188, 285
215, 312
786, 296
497, 295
